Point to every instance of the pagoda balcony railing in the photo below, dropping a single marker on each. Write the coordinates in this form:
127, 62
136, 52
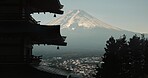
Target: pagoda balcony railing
17, 17
20, 59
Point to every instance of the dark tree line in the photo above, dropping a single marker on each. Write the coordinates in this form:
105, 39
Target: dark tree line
124, 59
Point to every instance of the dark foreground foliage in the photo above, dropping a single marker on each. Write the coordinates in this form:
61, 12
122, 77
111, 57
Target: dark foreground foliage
124, 59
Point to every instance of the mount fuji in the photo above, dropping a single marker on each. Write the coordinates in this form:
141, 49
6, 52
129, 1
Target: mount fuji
86, 33
79, 18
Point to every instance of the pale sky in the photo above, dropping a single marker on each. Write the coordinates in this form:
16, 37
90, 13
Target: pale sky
131, 15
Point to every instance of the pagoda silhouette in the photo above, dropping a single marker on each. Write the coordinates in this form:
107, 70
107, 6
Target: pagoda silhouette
19, 31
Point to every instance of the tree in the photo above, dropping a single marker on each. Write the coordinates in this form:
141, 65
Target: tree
124, 59
146, 56
136, 59
112, 65
123, 56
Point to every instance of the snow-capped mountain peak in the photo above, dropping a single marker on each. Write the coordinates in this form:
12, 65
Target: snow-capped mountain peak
80, 18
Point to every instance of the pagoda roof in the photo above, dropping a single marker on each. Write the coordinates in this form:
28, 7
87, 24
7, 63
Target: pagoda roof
52, 6
39, 34
32, 6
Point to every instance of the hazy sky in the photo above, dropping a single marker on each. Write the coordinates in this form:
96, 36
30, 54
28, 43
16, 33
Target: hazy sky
126, 14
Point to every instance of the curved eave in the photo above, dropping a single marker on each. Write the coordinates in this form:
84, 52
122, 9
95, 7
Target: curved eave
51, 11
52, 6
49, 35
38, 34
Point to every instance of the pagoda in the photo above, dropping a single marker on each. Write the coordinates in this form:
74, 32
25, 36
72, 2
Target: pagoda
19, 31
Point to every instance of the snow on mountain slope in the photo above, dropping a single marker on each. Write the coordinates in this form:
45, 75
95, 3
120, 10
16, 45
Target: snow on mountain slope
81, 19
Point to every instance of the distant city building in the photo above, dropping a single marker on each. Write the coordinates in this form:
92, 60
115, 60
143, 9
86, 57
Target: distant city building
81, 67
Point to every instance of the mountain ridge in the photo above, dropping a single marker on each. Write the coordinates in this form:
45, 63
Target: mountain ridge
82, 19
